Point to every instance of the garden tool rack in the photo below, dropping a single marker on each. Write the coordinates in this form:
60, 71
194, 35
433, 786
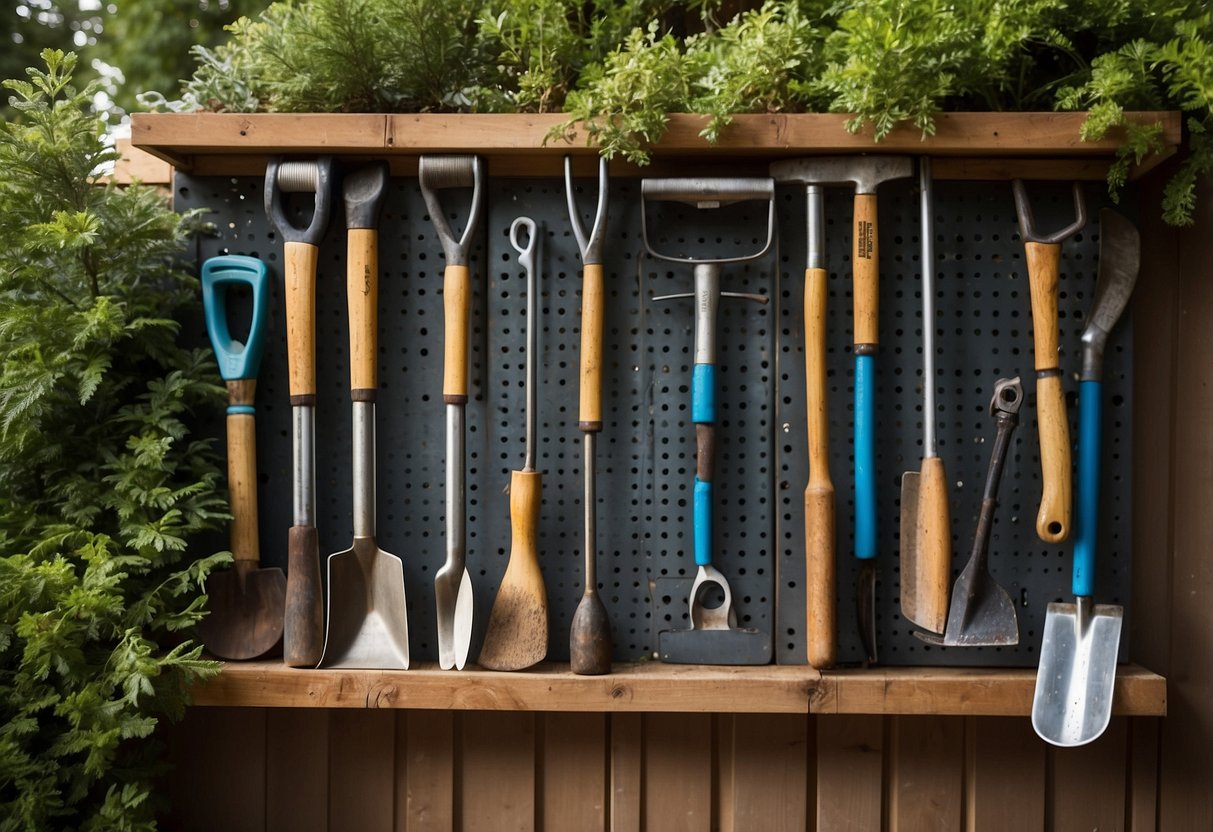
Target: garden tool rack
644, 455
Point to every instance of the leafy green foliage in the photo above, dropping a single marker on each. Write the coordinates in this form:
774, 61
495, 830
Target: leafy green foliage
618, 69
102, 486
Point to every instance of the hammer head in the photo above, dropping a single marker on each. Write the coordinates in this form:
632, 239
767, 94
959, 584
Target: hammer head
864, 172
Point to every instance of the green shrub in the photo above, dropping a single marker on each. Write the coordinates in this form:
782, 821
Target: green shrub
102, 483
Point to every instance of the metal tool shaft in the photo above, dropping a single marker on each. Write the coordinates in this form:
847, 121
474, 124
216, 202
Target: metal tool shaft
304, 465
928, 308
364, 468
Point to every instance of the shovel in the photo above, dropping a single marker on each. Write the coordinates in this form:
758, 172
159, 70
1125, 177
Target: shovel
1073, 701
453, 584
982, 612
366, 624
246, 602
517, 636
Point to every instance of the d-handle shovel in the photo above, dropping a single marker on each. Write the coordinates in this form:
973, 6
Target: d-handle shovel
1073, 701
982, 613
366, 622
453, 584
246, 602
590, 635
303, 628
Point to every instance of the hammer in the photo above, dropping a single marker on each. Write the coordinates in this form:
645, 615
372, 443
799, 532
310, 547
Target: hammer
865, 173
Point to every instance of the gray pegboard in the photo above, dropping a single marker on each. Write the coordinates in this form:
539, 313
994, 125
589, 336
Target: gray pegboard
646, 450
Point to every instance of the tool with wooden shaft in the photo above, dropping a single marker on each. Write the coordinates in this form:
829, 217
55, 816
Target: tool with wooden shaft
453, 584
1073, 700
590, 635
865, 173
366, 622
1043, 254
819, 530
926, 526
982, 613
246, 602
303, 626
517, 636
714, 637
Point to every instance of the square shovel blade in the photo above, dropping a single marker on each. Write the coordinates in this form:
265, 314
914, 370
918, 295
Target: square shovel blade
1073, 700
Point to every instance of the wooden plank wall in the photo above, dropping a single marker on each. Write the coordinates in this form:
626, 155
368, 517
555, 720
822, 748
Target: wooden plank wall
404, 771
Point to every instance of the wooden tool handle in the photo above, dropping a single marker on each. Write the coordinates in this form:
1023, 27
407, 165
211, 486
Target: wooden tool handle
303, 624
820, 574
1053, 520
526, 494
820, 566
817, 416
1044, 265
592, 302
456, 306
934, 553
242, 472
300, 272
362, 296
865, 270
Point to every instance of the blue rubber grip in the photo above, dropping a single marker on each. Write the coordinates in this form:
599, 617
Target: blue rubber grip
703, 523
865, 458
1090, 426
703, 394
236, 360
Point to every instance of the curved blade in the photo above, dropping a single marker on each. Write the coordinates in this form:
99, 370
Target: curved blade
1119, 262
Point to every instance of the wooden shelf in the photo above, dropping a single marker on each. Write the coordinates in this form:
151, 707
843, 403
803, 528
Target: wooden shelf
655, 687
969, 145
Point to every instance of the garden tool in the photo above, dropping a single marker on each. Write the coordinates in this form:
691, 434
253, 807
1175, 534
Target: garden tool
820, 564
1043, 253
366, 621
246, 602
303, 628
982, 612
590, 636
866, 173
714, 637
926, 527
517, 636
1073, 700
453, 584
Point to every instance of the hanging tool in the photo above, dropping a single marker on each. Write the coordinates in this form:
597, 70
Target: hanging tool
820, 563
866, 173
1043, 253
926, 526
714, 637
246, 602
367, 619
303, 627
517, 636
1073, 700
453, 584
982, 612
590, 636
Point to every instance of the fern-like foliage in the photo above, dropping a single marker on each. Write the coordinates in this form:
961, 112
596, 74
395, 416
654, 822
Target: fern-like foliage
102, 486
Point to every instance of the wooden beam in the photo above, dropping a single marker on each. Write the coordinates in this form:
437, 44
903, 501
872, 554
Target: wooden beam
518, 144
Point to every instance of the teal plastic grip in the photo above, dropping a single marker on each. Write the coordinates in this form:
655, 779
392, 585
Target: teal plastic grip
236, 360
703, 394
865, 458
1090, 428
703, 522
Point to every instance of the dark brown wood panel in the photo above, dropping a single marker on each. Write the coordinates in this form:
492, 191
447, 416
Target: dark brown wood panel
1088, 786
219, 773
1005, 776
428, 746
763, 773
297, 769
850, 772
926, 774
627, 771
362, 762
497, 772
677, 772
575, 786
